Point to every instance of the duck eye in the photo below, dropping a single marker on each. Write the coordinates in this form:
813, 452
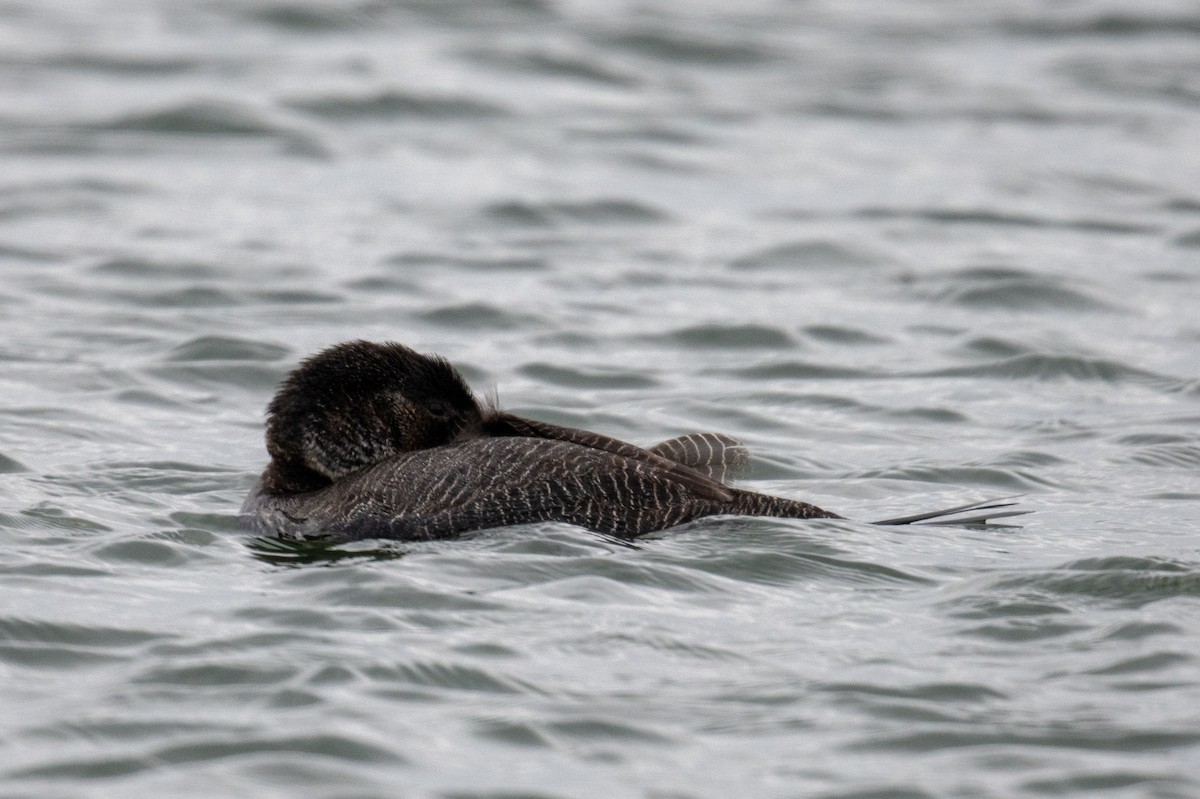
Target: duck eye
438, 408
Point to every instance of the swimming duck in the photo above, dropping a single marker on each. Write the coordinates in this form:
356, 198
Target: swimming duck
376, 440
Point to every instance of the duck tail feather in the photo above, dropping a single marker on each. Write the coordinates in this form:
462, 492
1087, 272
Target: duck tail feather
986, 504
983, 518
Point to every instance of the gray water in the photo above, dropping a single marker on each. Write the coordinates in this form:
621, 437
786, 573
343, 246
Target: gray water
914, 254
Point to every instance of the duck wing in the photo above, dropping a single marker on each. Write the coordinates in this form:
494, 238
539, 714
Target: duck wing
704, 486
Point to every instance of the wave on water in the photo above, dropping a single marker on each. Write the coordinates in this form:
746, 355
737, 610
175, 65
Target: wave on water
912, 254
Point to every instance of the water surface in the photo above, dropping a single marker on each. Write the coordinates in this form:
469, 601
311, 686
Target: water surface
914, 254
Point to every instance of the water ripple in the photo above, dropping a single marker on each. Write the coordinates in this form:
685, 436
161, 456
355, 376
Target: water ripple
725, 336
1154, 662
1105, 24
450, 676
986, 217
1057, 367
9, 465
843, 335
815, 254
481, 263
226, 348
226, 746
199, 118
36, 644
1008, 289
598, 212
1129, 581
305, 17
799, 370
1169, 455
478, 316
612, 379
127, 64
140, 268
677, 46
590, 67
1100, 740
390, 104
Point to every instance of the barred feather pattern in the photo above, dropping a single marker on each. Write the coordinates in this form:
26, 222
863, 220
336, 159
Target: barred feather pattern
492, 482
715, 455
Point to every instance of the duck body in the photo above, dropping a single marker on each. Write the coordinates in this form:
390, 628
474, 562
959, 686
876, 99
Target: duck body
373, 440
377, 441
493, 482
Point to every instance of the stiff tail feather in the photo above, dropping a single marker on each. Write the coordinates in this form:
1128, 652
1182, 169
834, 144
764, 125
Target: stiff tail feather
978, 518
715, 455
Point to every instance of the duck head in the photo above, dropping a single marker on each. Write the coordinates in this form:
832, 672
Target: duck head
357, 403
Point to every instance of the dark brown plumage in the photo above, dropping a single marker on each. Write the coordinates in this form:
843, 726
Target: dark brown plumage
378, 441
